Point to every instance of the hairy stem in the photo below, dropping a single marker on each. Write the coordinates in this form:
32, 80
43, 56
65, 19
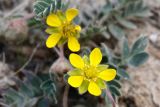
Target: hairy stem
65, 96
110, 97
62, 51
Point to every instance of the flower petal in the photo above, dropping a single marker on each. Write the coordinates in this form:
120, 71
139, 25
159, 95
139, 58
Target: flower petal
94, 89
71, 14
75, 72
73, 44
53, 20
76, 61
53, 40
95, 57
84, 86
75, 81
108, 74
78, 28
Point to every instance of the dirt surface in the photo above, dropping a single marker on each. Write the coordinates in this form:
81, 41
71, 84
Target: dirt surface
142, 90
144, 85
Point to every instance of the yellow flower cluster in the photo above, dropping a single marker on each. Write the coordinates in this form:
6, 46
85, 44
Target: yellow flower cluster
88, 75
62, 28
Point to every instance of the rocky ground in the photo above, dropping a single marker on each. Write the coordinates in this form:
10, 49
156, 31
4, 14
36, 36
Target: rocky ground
144, 86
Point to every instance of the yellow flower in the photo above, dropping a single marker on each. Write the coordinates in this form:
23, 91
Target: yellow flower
62, 29
89, 73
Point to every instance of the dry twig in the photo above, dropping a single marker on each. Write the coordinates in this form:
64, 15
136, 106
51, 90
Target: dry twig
29, 60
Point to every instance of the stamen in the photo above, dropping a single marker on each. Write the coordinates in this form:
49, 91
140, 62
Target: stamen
90, 72
68, 29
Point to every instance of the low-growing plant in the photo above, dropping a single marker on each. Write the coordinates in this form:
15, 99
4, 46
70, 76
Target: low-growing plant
100, 71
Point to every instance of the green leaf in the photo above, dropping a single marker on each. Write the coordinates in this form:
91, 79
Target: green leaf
30, 102
43, 103
45, 76
114, 83
15, 97
117, 77
139, 59
86, 59
106, 52
25, 95
116, 31
102, 67
33, 22
49, 89
139, 45
115, 90
85, 51
137, 9
48, 84
123, 73
66, 76
43, 8
23, 88
51, 30
107, 9
125, 49
126, 23
84, 87
7, 99
74, 72
101, 83
59, 4
33, 82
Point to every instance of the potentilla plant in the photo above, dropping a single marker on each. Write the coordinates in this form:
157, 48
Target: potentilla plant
89, 74
95, 74
62, 29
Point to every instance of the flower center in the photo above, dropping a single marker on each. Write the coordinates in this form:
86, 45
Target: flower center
90, 72
68, 29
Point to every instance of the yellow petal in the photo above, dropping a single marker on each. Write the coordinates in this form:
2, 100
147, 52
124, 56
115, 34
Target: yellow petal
95, 57
73, 44
78, 28
75, 81
76, 61
53, 40
71, 14
108, 74
53, 20
94, 89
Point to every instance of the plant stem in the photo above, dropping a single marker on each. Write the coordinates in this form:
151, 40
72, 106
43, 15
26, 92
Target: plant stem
110, 97
61, 51
29, 60
57, 51
65, 96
